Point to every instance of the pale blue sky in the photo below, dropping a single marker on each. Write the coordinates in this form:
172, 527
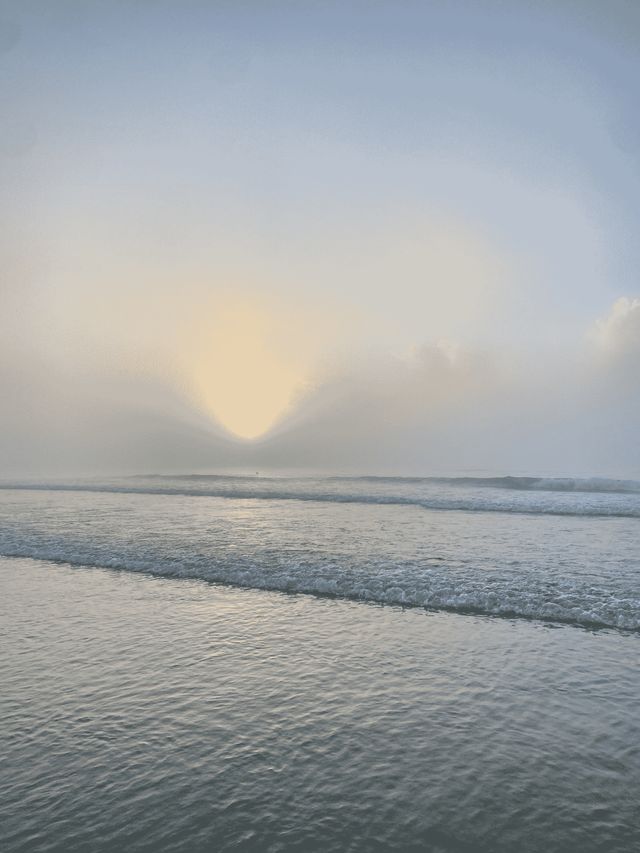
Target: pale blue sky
288, 128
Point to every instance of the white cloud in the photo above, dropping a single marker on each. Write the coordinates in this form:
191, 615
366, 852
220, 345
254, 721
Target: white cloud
619, 330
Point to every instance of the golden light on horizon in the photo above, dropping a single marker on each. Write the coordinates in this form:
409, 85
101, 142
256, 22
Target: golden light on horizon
243, 376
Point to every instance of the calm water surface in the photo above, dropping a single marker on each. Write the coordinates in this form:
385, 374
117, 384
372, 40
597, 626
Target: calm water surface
149, 714
464, 675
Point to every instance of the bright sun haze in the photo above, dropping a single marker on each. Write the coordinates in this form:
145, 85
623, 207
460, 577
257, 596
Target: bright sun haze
244, 382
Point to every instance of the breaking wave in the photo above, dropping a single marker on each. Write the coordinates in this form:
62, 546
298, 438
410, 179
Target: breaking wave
529, 495
599, 485
571, 604
539, 556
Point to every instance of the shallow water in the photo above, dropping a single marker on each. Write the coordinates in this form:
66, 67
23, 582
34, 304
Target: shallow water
152, 714
555, 554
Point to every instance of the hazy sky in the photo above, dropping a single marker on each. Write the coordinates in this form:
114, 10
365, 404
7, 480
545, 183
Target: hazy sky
369, 236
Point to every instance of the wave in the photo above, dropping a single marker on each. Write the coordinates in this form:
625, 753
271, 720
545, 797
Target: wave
577, 606
237, 490
598, 485
602, 485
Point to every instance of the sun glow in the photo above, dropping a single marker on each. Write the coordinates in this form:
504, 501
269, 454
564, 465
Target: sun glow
244, 376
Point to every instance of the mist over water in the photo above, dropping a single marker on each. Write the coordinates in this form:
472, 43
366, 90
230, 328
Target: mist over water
433, 412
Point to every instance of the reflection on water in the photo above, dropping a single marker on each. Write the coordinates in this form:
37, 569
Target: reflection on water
147, 714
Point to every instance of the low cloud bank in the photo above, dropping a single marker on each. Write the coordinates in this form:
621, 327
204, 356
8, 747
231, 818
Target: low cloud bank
440, 409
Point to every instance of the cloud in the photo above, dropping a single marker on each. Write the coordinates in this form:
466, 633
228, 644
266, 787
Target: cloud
453, 409
618, 332
442, 407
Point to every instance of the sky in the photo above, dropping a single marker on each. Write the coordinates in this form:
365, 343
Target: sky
369, 237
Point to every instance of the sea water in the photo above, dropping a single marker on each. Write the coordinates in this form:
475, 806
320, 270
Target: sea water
559, 550
462, 674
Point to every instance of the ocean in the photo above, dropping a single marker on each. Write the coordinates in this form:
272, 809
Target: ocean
336, 664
